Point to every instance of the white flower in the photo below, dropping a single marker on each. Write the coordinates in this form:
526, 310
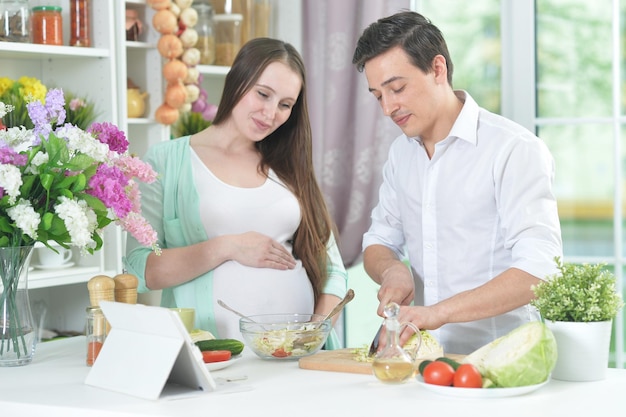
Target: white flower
81, 141
5, 108
11, 181
18, 138
25, 217
79, 219
40, 158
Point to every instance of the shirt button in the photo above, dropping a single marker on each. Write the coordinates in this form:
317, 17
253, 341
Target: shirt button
429, 246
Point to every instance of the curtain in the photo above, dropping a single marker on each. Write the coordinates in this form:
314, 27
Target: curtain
351, 136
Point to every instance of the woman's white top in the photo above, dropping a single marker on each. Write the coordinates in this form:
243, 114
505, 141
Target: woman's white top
270, 209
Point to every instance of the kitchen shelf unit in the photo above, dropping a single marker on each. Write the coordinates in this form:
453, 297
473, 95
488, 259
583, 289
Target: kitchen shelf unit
140, 62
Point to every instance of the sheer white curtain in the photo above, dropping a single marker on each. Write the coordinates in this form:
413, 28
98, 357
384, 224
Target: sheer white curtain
351, 135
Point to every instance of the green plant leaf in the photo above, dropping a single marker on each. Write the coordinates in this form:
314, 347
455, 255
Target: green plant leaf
46, 180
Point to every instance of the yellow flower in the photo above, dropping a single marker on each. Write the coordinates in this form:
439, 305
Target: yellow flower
5, 84
32, 88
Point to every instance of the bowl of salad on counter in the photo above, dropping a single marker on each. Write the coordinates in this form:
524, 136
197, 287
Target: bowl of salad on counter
285, 336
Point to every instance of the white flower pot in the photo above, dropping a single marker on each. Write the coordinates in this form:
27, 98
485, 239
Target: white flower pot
583, 349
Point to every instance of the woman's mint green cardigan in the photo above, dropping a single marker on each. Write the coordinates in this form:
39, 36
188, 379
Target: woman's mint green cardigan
170, 205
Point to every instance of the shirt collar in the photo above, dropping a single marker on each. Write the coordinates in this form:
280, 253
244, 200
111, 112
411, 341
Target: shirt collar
466, 123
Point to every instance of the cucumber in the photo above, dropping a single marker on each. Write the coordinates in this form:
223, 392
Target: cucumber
423, 365
449, 361
234, 345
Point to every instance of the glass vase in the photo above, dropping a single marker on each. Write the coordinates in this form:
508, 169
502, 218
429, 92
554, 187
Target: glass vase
18, 335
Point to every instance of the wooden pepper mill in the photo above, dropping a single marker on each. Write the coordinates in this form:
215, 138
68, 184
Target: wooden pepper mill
101, 288
126, 288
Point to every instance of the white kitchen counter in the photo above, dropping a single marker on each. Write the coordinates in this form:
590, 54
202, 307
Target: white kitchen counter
52, 385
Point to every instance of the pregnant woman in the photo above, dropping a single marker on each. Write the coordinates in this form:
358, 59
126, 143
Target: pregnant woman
237, 209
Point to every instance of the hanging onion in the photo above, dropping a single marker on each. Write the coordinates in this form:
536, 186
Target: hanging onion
165, 22
166, 115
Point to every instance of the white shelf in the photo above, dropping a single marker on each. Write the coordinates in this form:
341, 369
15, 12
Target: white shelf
216, 70
16, 50
139, 45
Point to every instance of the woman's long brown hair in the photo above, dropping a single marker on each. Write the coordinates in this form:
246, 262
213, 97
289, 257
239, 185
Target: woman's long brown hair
287, 151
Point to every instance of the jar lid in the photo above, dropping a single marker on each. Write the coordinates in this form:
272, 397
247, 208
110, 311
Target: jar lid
94, 309
229, 17
47, 9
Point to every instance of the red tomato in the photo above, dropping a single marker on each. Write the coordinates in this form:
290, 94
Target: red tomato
280, 353
439, 373
209, 356
467, 376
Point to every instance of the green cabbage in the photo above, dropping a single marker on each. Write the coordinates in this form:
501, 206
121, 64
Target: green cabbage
525, 356
429, 349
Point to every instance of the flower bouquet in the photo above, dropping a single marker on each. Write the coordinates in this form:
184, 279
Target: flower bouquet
61, 185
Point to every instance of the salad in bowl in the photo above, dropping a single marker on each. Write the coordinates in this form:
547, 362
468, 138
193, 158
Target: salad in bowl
285, 336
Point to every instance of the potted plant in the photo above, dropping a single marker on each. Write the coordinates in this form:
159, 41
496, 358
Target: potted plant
578, 304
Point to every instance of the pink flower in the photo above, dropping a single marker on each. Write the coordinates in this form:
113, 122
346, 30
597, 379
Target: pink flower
76, 103
134, 167
109, 133
108, 185
140, 229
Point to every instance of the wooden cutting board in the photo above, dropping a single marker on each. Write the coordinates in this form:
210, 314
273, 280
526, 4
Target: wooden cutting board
342, 360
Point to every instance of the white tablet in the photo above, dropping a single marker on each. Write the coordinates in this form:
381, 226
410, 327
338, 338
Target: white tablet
148, 353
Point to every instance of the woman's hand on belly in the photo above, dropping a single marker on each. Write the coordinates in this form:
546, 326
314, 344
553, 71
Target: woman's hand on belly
260, 251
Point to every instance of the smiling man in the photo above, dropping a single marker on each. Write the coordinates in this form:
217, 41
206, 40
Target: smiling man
466, 195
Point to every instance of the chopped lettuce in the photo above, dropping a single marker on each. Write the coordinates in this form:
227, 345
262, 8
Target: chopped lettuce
429, 349
294, 343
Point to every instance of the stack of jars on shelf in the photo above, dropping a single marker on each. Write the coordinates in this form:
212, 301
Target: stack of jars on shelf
43, 24
232, 24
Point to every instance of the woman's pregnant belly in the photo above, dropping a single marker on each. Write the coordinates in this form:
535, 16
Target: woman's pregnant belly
258, 291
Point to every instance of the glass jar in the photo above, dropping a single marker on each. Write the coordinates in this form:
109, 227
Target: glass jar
227, 38
262, 18
95, 332
14, 21
206, 33
80, 23
47, 25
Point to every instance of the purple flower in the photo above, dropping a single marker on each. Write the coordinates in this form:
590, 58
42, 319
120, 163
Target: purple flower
109, 133
55, 104
39, 116
9, 156
43, 116
108, 185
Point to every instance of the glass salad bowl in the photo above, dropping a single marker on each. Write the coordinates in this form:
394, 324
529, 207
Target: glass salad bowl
285, 336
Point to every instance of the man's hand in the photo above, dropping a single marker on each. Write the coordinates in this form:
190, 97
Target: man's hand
397, 286
395, 278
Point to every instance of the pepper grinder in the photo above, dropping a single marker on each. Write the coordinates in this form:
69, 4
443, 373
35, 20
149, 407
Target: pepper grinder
126, 288
101, 288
